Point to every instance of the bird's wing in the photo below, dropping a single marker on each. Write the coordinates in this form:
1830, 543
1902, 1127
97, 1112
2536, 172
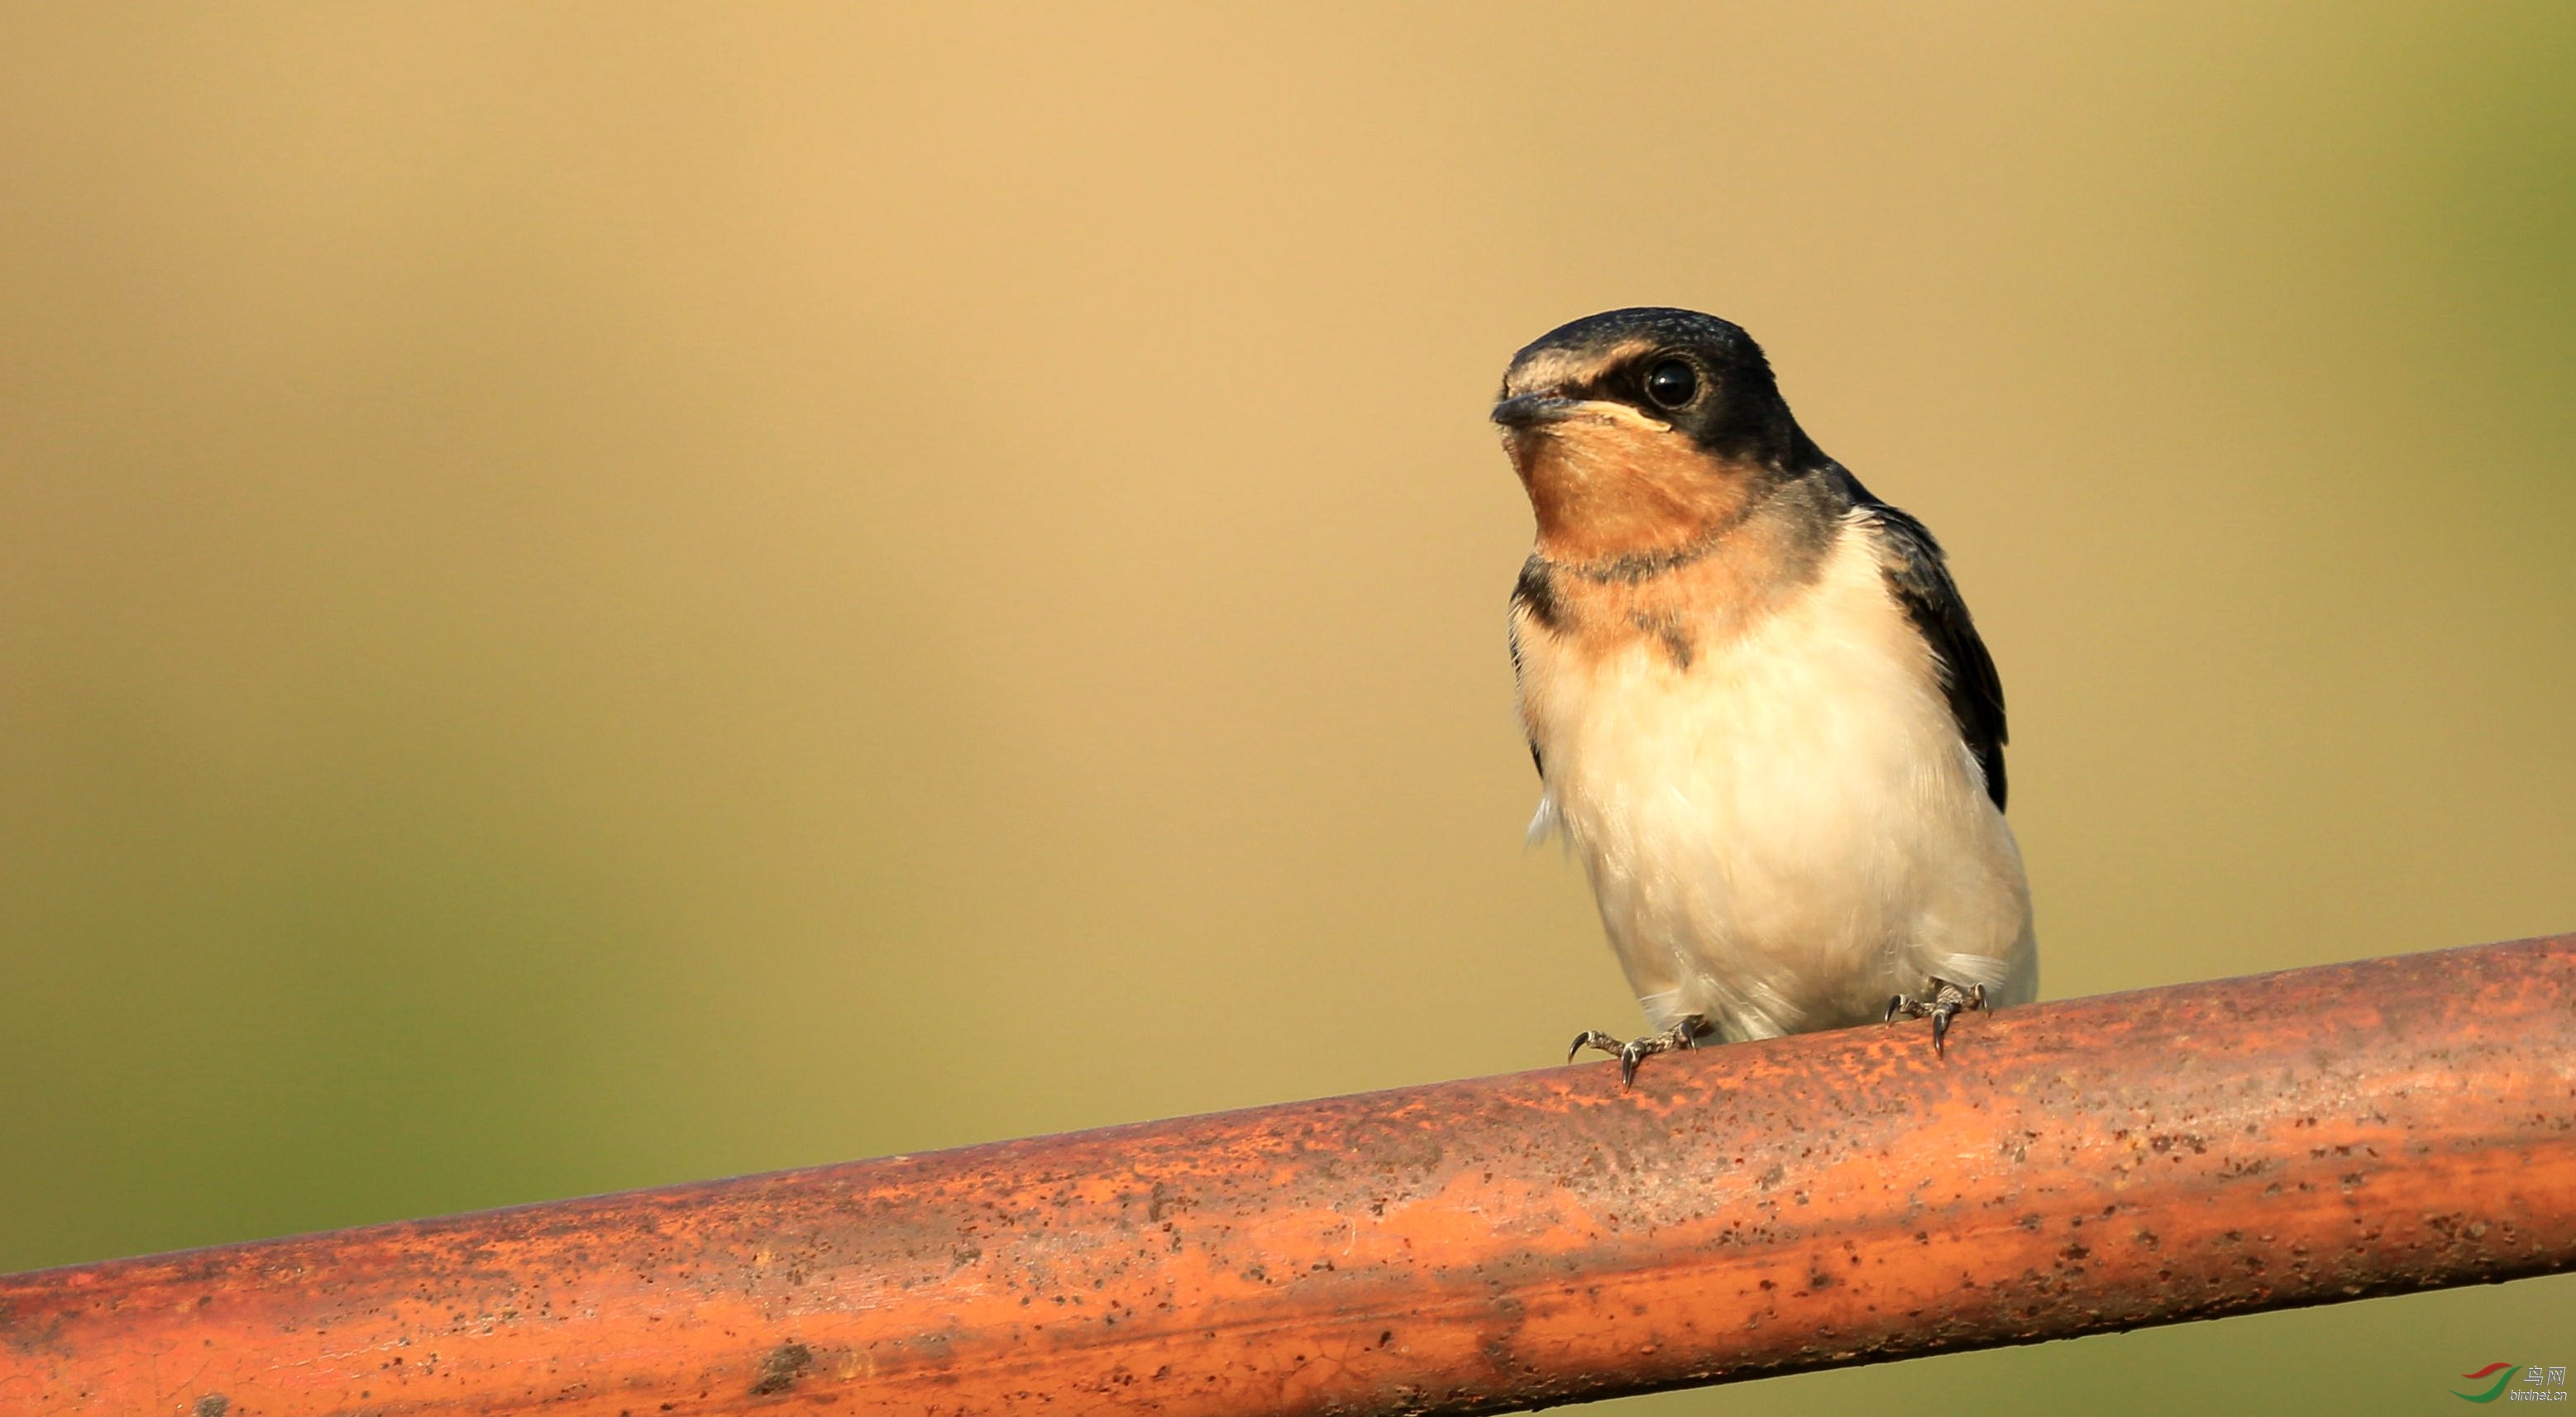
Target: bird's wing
1535, 597
1920, 579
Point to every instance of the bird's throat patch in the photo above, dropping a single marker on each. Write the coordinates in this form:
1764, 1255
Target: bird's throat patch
1605, 488
1681, 601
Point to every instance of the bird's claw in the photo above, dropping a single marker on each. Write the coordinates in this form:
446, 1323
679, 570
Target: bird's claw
1682, 1035
1943, 1001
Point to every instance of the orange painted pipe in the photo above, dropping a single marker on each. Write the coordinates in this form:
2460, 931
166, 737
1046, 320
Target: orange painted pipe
2101, 1163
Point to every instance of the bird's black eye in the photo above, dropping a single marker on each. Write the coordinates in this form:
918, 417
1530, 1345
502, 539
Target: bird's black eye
1671, 383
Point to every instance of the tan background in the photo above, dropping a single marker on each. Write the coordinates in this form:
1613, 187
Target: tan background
600, 596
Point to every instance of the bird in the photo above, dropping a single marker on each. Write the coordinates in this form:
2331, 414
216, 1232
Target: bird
1762, 717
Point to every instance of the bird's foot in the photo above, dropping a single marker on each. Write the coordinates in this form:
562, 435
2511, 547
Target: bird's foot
1682, 1035
1943, 1001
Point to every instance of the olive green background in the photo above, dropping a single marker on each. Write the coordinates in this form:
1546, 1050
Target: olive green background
598, 596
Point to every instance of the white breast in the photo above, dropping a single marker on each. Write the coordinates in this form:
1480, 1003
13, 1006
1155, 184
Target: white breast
1788, 830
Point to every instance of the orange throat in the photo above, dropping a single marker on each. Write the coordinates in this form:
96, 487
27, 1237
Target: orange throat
1603, 490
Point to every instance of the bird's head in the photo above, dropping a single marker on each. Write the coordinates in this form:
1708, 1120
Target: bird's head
1640, 431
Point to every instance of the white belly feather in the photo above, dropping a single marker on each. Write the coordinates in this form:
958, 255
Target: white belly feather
1790, 829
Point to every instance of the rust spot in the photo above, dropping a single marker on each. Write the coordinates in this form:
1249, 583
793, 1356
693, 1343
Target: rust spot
780, 1370
213, 1404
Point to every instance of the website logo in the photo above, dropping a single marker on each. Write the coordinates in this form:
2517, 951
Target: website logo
2538, 1384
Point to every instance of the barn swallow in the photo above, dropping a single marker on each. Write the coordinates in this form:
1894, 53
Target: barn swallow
1760, 713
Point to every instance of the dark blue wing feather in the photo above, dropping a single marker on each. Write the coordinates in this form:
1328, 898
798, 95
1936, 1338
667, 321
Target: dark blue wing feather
1920, 579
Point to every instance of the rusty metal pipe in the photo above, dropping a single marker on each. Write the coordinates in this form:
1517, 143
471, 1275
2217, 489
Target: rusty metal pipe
2102, 1163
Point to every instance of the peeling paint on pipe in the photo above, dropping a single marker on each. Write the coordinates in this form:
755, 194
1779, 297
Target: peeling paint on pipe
2103, 1163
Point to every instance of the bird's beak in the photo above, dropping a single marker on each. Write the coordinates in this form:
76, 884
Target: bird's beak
1531, 410
1526, 413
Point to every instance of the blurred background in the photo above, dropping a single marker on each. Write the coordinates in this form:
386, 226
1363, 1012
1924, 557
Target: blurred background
604, 595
